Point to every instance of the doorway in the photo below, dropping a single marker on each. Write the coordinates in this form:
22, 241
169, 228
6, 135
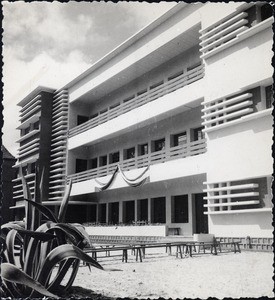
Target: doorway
201, 219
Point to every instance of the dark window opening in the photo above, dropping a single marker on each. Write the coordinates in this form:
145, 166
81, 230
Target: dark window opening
180, 209
114, 157
266, 11
93, 213
129, 98
179, 139
114, 106
156, 85
269, 96
103, 111
254, 15
36, 125
82, 119
175, 75
142, 210
193, 66
128, 212
198, 134
32, 168
102, 213
93, 116
94, 163
81, 165
143, 149
159, 145
130, 153
158, 206
141, 92
114, 213
103, 160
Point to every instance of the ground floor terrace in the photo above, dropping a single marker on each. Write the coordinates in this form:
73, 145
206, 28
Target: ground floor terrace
171, 207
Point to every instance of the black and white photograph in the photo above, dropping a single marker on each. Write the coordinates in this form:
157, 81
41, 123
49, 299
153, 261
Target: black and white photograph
137, 150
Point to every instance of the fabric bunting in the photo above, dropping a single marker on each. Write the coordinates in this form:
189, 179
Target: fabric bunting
133, 182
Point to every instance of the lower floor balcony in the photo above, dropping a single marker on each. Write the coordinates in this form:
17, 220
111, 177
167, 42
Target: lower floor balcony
173, 153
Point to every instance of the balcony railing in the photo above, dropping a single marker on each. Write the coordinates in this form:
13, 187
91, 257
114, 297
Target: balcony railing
182, 151
165, 88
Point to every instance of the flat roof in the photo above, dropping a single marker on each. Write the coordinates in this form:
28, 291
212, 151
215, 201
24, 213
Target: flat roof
35, 92
127, 43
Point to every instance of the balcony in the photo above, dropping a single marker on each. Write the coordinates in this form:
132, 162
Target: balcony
169, 86
172, 153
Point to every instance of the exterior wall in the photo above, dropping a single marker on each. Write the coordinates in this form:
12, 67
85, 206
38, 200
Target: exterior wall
241, 225
237, 62
126, 230
45, 140
240, 151
8, 174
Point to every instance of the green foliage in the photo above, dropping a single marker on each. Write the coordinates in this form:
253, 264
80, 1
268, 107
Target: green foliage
36, 258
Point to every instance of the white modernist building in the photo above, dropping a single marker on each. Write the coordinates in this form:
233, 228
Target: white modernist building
172, 130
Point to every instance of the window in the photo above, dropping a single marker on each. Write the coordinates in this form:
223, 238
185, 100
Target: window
128, 212
266, 11
103, 160
198, 134
158, 210
80, 165
179, 209
114, 157
156, 85
268, 96
175, 75
103, 111
93, 116
179, 139
36, 125
129, 98
94, 163
82, 119
143, 149
114, 106
159, 145
141, 92
129, 153
32, 168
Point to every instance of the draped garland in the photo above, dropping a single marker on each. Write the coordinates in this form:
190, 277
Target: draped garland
133, 182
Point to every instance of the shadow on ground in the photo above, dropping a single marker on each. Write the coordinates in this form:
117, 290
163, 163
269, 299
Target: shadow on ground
80, 292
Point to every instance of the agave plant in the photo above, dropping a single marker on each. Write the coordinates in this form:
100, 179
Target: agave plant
41, 259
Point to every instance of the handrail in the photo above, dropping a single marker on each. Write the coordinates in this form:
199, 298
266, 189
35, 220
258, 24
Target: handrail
172, 153
165, 88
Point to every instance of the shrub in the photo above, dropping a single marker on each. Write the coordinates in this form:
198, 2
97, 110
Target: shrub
41, 259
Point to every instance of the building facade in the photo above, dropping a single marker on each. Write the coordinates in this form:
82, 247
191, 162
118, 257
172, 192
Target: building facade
172, 130
8, 174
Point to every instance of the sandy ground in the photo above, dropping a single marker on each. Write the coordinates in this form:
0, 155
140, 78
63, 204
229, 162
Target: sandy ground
246, 274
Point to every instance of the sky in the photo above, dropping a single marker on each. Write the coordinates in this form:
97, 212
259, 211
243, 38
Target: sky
49, 44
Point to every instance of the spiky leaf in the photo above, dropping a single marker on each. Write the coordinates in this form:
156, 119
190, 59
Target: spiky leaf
11, 273
44, 210
64, 202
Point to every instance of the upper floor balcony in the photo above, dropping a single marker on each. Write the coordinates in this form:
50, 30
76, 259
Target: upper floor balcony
171, 96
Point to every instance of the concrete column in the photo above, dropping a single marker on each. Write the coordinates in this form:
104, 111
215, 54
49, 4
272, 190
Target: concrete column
168, 210
107, 213
149, 210
190, 211
136, 214
97, 213
120, 211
